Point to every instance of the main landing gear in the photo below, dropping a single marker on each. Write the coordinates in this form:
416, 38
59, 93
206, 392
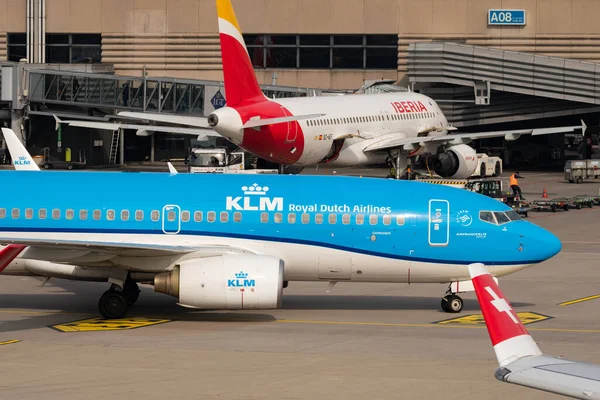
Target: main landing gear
115, 302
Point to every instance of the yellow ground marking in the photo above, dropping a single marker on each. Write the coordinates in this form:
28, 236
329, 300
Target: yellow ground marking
477, 319
9, 342
581, 300
99, 324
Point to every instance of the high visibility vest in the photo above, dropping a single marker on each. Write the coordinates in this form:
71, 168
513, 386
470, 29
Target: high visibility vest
513, 180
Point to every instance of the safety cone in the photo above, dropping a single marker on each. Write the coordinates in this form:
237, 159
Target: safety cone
545, 194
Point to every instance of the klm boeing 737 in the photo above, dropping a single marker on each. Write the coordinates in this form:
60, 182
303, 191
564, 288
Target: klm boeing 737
234, 241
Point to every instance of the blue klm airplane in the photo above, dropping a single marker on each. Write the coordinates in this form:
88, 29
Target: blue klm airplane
234, 241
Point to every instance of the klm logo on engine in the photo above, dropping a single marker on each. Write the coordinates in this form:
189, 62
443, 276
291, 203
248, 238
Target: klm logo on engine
254, 199
22, 161
241, 280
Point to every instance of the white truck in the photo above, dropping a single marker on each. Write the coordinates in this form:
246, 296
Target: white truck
487, 166
218, 160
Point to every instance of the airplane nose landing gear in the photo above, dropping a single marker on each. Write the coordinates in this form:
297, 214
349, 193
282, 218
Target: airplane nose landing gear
452, 303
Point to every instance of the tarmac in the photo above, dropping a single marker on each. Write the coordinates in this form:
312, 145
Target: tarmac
375, 341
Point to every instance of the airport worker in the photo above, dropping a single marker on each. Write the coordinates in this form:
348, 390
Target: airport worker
514, 185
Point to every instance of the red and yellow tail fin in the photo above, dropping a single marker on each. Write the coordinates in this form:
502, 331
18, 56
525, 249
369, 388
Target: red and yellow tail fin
241, 85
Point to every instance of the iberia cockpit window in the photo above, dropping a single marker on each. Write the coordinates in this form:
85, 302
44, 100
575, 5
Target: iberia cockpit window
499, 217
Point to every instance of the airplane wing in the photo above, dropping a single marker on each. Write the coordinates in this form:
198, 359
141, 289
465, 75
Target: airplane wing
200, 122
521, 361
399, 140
21, 158
9, 253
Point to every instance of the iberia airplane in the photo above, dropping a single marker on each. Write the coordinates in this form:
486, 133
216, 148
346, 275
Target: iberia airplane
343, 130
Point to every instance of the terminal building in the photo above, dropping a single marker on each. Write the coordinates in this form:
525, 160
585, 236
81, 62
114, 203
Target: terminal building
492, 64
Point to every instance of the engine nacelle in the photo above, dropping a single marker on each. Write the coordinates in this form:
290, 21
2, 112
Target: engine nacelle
230, 282
458, 162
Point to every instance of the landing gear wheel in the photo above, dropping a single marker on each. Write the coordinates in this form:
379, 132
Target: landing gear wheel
444, 304
131, 291
113, 305
454, 304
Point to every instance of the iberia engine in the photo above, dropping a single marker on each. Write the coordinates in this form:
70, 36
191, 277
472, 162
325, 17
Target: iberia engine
230, 282
457, 162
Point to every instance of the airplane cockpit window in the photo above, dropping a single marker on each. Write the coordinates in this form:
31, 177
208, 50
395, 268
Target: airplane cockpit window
486, 216
513, 215
501, 218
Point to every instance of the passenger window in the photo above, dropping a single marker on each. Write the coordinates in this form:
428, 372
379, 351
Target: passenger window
278, 218
360, 219
400, 220
15, 213
305, 218
224, 216
513, 215
42, 213
185, 216
291, 218
345, 219
29, 213
110, 215
70, 214
237, 216
83, 215
319, 218
373, 218
264, 217
97, 214
56, 213
332, 219
2, 213
387, 219
154, 215
501, 218
139, 215
486, 216
198, 216
124, 215
171, 216
211, 216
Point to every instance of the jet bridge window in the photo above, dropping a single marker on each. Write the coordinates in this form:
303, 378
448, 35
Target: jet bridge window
185, 216
154, 215
70, 214
198, 216
42, 213
110, 215
83, 215
15, 213
124, 215
2, 213
29, 213
56, 213
211, 216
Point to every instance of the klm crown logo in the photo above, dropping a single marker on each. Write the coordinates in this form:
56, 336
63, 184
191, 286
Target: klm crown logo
250, 201
22, 160
241, 280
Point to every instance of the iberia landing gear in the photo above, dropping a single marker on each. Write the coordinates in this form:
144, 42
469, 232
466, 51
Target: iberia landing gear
115, 302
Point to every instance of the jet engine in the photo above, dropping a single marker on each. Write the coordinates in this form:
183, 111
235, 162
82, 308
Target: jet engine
229, 282
458, 162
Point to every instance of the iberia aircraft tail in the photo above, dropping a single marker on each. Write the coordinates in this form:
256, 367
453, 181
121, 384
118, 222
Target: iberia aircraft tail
241, 86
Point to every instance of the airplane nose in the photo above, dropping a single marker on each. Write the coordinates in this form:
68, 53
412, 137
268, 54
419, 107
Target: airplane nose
542, 243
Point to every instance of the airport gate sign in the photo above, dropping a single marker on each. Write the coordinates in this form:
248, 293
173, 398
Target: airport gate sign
218, 100
506, 17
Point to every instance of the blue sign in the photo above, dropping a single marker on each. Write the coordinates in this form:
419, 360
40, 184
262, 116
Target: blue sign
506, 17
218, 100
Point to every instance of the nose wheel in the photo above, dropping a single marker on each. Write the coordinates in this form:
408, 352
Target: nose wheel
452, 303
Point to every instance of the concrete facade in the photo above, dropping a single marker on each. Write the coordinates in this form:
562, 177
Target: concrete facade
178, 38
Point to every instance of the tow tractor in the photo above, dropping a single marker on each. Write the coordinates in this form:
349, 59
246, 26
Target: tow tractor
218, 160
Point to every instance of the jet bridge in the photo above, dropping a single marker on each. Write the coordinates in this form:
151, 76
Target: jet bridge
481, 85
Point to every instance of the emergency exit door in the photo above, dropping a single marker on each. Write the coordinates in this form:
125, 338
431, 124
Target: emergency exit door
171, 219
292, 127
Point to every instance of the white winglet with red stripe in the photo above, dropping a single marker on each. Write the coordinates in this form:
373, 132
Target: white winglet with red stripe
9, 253
509, 337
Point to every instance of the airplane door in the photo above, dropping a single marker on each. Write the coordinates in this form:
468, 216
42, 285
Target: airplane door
171, 219
438, 231
292, 127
